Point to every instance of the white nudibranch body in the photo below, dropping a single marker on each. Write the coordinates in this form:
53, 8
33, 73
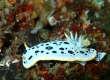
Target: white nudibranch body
74, 49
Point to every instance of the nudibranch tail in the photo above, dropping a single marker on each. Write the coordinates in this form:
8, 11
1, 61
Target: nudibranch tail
100, 56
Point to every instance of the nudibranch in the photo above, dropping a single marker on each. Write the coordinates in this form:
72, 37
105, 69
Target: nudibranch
72, 49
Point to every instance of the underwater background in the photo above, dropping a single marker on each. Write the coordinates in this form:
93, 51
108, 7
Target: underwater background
37, 21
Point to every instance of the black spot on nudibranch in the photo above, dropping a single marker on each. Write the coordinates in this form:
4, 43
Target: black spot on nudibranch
99, 58
86, 51
62, 52
36, 51
42, 44
71, 52
32, 47
59, 44
54, 43
47, 44
47, 53
37, 46
54, 51
42, 51
25, 52
66, 43
30, 57
49, 48
61, 48
25, 62
81, 52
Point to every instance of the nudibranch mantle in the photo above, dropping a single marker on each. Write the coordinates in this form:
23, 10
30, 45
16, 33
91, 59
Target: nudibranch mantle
68, 50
